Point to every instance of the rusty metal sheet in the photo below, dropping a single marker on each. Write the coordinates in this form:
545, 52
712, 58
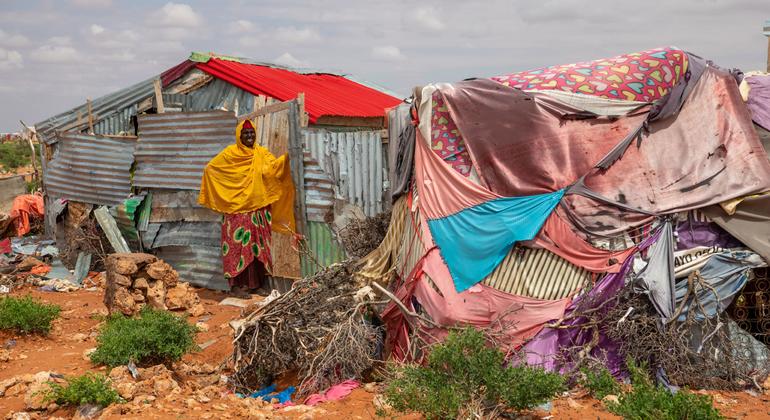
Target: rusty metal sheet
198, 265
173, 148
91, 168
175, 206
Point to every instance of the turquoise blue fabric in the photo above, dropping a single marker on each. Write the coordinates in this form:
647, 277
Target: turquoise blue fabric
475, 240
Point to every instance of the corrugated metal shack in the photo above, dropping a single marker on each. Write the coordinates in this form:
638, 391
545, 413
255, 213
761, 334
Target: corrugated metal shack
142, 151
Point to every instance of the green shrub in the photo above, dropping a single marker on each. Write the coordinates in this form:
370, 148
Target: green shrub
14, 154
154, 337
85, 389
647, 401
599, 381
27, 315
462, 373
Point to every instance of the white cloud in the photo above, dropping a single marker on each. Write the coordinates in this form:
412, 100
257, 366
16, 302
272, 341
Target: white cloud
241, 26
426, 18
10, 59
13, 40
292, 35
249, 41
289, 60
55, 54
176, 15
92, 3
96, 29
60, 40
121, 57
387, 53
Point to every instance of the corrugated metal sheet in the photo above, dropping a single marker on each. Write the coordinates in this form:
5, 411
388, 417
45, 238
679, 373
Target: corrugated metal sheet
324, 247
112, 113
319, 190
325, 94
125, 215
219, 94
354, 161
537, 273
174, 147
92, 169
174, 206
199, 265
188, 233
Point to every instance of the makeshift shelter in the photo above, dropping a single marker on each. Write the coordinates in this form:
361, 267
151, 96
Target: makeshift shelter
141, 152
524, 201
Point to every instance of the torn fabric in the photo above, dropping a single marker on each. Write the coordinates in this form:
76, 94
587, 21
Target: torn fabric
656, 279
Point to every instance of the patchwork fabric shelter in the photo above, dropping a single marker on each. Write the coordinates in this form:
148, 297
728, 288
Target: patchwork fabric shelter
596, 171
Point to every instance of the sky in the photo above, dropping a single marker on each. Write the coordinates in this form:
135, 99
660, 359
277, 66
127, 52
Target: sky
55, 54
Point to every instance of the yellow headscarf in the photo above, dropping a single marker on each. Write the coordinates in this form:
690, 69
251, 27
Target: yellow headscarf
241, 179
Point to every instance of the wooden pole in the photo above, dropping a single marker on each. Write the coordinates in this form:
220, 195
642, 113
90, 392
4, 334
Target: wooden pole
302, 114
158, 97
31, 147
90, 117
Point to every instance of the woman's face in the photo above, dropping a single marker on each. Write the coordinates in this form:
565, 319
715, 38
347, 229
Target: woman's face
248, 137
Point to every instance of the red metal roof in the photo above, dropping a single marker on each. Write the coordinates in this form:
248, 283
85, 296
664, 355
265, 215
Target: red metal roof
325, 94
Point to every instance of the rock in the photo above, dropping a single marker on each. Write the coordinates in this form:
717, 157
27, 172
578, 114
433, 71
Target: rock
138, 296
126, 390
21, 416
100, 312
370, 387
123, 266
120, 374
197, 310
87, 353
4, 385
141, 283
202, 326
16, 389
88, 411
122, 301
160, 270
181, 296
137, 258
79, 337
162, 386
154, 371
610, 399
34, 399
5, 355
120, 280
156, 295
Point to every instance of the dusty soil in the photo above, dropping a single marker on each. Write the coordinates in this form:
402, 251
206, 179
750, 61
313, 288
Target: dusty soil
74, 333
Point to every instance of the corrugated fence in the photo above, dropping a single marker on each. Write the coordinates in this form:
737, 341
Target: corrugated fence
174, 147
91, 168
355, 163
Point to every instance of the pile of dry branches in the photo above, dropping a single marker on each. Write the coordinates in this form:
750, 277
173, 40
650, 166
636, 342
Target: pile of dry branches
362, 236
318, 329
698, 352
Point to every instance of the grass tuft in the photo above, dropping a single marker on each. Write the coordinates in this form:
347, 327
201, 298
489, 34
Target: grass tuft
85, 389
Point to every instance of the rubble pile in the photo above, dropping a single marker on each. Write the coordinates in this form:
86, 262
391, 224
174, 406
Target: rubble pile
135, 280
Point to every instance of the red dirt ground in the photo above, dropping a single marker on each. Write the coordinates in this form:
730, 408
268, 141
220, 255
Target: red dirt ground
62, 352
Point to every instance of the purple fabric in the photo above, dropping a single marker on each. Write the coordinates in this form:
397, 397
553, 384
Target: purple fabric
759, 99
543, 349
692, 233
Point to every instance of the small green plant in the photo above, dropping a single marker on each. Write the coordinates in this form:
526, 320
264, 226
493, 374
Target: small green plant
154, 337
27, 315
647, 401
463, 374
599, 381
85, 389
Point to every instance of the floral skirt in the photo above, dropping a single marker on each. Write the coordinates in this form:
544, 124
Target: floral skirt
245, 237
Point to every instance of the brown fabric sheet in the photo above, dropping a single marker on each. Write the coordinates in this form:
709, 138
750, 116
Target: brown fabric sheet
750, 224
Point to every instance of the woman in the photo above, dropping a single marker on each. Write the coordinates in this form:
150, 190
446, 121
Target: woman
254, 191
